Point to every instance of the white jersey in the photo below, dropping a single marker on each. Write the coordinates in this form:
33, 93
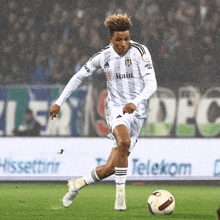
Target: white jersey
130, 78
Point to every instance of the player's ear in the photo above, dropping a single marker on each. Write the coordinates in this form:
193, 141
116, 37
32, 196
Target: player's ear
110, 38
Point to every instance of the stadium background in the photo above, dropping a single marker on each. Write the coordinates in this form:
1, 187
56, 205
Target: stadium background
44, 43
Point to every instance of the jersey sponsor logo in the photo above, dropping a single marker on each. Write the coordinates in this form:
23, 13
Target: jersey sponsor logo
123, 76
119, 116
128, 61
87, 69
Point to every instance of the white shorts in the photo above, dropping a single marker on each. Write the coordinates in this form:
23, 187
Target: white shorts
115, 117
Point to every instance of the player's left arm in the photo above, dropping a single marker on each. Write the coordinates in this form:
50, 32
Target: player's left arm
147, 92
148, 76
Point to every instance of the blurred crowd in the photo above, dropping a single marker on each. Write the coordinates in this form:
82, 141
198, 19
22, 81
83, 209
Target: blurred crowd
47, 42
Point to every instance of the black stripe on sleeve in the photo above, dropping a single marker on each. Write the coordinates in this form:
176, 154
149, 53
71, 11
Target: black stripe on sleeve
139, 47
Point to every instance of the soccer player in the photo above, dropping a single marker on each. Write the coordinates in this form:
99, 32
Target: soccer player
131, 81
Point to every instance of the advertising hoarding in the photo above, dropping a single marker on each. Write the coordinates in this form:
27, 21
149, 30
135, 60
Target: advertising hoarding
151, 159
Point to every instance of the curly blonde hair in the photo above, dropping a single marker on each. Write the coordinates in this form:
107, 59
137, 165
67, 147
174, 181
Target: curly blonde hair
118, 22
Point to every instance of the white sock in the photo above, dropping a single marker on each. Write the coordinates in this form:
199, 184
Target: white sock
120, 176
80, 183
91, 178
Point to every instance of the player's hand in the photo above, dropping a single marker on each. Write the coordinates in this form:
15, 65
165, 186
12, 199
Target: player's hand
129, 108
54, 110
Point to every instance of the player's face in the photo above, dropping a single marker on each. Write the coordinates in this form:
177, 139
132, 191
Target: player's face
120, 41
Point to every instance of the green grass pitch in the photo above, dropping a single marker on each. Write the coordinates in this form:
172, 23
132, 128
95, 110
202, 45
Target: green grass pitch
32, 201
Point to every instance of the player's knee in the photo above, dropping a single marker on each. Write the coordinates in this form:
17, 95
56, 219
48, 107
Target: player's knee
123, 145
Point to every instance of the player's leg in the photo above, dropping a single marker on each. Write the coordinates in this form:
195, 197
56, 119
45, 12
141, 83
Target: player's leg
122, 135
118, 156
126, 140
97, 174
117, 163
123, 140
107, 169
101, 172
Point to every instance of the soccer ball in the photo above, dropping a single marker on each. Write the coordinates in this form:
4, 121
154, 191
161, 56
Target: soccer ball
161, 202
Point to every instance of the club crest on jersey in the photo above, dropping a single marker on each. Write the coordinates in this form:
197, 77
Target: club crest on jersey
109, 76
128, 61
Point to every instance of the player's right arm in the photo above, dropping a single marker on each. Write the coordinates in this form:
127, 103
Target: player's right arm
74, 83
